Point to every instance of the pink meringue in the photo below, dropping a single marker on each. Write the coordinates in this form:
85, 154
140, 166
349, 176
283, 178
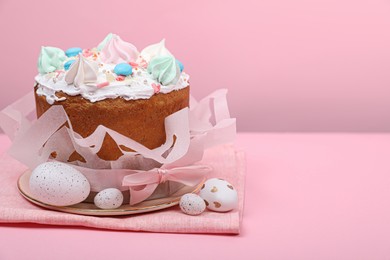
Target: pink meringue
116, 50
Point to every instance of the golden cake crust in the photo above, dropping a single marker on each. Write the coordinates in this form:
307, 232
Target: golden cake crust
141, 120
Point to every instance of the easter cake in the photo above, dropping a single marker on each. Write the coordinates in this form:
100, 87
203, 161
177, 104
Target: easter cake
114, 134
116, 86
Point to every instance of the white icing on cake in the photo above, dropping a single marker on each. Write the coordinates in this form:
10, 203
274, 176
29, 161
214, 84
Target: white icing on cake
139, 85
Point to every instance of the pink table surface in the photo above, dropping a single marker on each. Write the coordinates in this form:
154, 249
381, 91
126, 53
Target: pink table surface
308, 196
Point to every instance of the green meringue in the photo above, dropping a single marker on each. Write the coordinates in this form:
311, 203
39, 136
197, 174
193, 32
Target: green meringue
104, 42
164, 69
50, 59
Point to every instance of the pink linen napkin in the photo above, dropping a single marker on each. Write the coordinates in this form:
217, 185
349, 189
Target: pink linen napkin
227, 163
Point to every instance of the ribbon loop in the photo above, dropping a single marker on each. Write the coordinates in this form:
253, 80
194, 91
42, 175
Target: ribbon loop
143, 183
162, 174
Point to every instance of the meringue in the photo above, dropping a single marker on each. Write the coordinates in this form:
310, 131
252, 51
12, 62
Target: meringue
164, 69
50, 59
116, 51
153, 50
82, 72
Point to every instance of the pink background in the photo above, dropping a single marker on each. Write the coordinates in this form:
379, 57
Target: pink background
301, 65
289, 65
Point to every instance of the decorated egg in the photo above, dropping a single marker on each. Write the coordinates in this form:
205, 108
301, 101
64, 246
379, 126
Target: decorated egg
110, 198
123, 69
219, 195
192, 204
71, 52
58, 184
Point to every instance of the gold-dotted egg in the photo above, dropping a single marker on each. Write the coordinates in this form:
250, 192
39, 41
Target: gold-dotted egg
217, 204
219, 195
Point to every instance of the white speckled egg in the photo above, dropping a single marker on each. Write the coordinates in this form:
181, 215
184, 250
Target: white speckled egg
219, 195
58, 184
110, 198
192, 204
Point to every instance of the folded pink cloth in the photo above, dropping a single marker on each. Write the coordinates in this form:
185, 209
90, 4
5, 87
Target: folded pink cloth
227, 163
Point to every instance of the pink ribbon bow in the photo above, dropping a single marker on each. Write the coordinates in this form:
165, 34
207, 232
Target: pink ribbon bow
143, 183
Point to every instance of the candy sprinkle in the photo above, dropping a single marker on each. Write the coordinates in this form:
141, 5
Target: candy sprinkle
87, 52
58, 73
133, 64
143, 64
120, 78
103, 84
156, 87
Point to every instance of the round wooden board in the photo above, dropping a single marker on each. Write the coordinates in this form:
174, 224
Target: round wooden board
91, 210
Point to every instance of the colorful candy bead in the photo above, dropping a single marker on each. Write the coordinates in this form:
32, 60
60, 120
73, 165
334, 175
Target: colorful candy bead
181, 66
68, 64
123, 69
71, 52
87, 52
120, 78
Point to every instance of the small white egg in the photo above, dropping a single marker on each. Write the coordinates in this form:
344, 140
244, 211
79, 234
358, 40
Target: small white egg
110, 198
58, 184
192, 204
219, 195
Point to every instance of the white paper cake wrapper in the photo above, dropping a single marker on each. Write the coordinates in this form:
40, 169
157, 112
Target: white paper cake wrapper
207, 123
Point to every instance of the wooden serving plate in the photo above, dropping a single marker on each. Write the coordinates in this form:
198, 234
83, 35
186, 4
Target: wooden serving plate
90, 209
